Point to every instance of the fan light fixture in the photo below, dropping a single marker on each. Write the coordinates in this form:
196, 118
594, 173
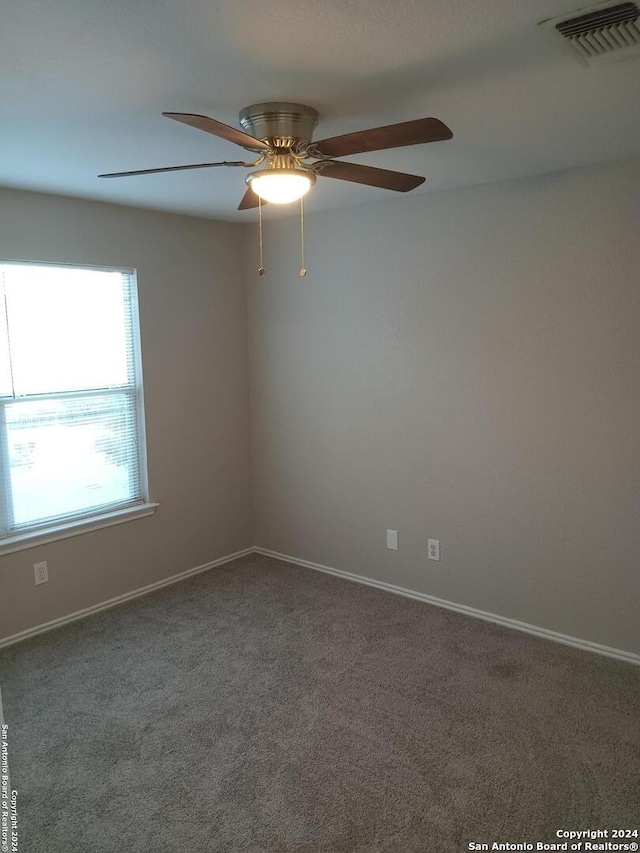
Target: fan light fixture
280, 134
281, 186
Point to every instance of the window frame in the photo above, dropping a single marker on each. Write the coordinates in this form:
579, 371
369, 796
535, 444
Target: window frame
30, 535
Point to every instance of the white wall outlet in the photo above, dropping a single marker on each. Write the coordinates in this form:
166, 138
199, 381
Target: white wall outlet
433, 551
41, 572
392, 540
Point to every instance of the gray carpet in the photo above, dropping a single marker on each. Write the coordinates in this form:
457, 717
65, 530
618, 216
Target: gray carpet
264, 707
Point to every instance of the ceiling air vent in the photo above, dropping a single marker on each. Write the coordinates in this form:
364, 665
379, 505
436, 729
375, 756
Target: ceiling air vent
602, 33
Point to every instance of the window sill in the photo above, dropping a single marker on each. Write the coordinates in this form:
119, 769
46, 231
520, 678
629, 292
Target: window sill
21, 541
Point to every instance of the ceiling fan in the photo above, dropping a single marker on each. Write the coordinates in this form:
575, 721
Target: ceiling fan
280, 134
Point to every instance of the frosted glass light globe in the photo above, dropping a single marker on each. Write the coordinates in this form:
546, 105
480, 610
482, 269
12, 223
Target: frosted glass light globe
281, 186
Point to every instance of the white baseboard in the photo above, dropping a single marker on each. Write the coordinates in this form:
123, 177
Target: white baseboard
585, 645
120, 599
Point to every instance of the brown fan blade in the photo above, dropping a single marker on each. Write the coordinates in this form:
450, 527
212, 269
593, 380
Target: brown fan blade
398, 181
392, 136
174, 169
210, 125
249, 200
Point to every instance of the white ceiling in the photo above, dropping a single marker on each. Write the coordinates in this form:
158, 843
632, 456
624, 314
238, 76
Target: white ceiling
83, 84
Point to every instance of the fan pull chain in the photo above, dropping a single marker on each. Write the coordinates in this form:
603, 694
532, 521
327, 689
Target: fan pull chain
261, 267
303, 269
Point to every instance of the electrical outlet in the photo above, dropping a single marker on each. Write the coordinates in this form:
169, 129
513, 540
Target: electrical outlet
392, 540
433, 549
41, 572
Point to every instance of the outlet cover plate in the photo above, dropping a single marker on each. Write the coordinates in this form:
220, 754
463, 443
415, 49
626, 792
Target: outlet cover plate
433, 549
41, 572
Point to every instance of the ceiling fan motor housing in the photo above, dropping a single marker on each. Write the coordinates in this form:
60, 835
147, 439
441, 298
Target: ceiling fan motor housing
280, 122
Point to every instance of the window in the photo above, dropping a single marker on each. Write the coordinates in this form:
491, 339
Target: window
71, 415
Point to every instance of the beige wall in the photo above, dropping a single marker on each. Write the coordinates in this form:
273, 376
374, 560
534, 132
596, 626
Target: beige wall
193, 328
461, 366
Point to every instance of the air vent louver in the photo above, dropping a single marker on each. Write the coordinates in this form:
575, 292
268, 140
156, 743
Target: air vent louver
604, 33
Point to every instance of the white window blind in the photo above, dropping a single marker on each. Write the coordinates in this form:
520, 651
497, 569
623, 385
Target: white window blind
71, 442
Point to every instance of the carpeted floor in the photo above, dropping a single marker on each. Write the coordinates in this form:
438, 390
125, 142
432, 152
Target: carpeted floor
267, 708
